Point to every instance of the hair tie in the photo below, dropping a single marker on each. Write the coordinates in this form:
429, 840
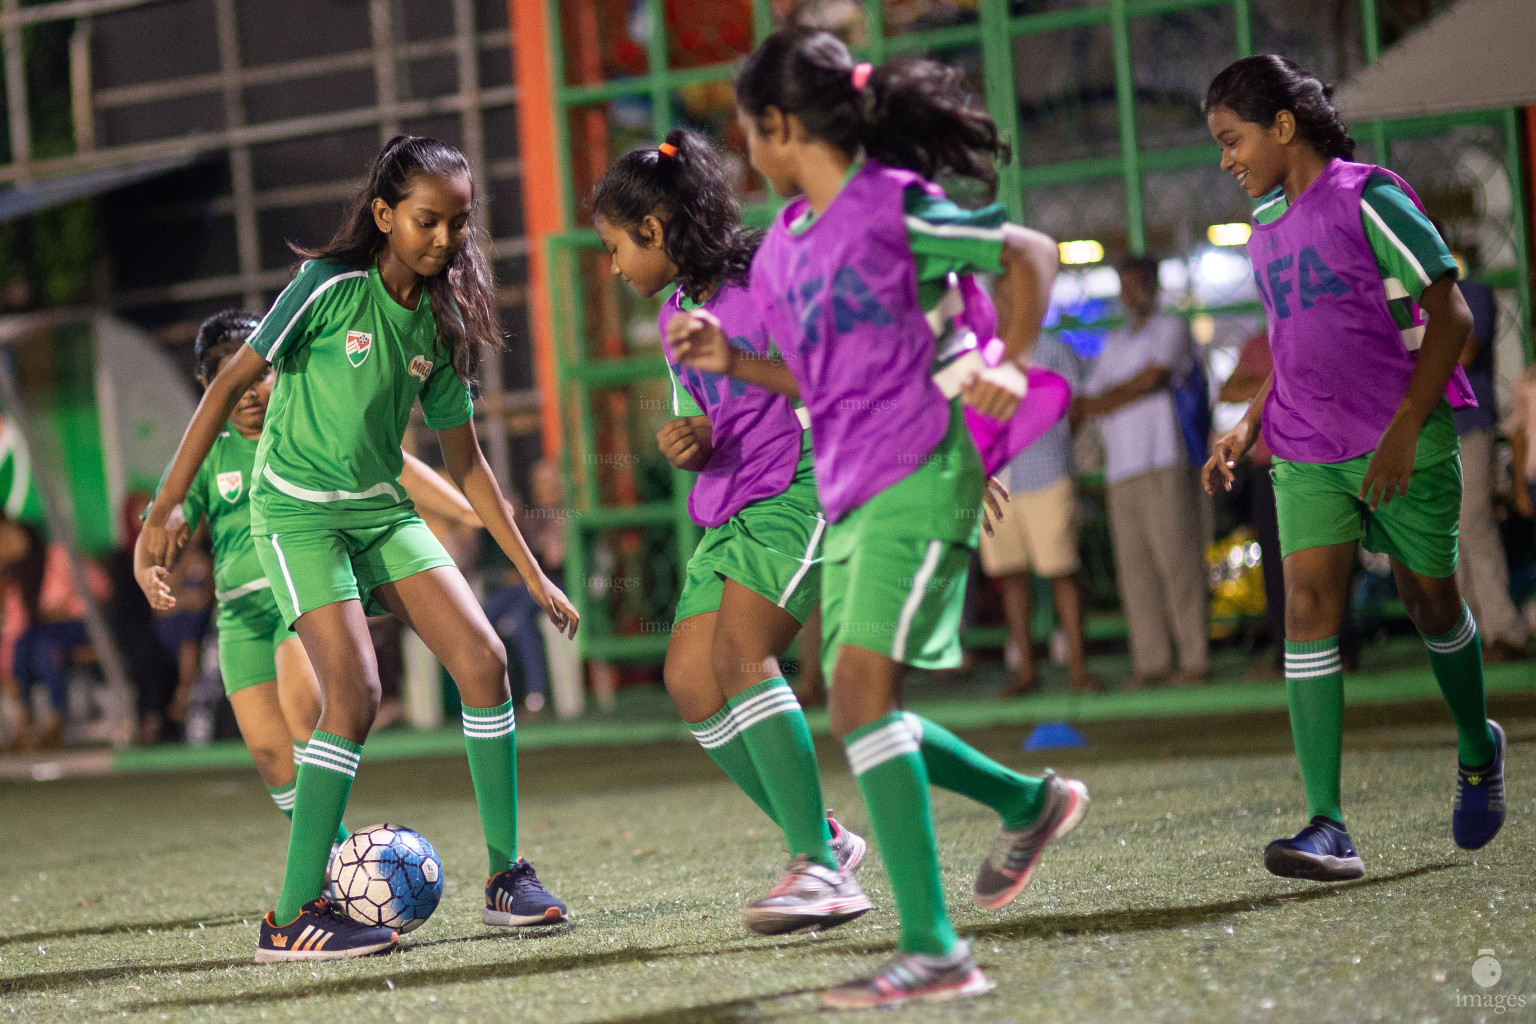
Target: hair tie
667, 149
861, 73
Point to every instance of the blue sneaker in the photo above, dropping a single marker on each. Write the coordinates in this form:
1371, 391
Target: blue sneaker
321, 932
1478, 811
515, 898
1320, 852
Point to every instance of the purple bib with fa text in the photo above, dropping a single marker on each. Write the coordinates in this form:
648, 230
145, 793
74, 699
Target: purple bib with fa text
1341, 365
754, 432
841, 300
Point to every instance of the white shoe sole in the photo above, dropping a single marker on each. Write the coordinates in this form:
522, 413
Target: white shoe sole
782, 921
977, 984
505, 920
279, 956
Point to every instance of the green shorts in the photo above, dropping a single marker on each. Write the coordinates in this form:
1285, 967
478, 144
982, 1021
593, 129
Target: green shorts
895, 568
250, 628
312, 564
772, 547
1319, 504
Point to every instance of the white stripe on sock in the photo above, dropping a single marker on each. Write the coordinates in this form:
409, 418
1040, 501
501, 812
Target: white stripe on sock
1332, 652
717, 735
783, 706
889, 741
1459, 640
333, 750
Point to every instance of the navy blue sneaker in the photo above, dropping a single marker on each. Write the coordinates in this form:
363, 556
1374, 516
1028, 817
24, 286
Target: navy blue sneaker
1478, 811
321, 932
514, 898
1320, 852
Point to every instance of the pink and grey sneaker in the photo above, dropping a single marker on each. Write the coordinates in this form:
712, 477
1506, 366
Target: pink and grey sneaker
916, 977
320, 932
808, 898
1015, 853
847, 846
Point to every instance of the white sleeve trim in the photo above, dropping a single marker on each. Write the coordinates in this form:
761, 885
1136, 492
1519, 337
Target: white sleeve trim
283, 335
953, 230
1407, 253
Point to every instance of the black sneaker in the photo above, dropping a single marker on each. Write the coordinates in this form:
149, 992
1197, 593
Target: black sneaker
1010, 863
1321, 852
321, 932
1478, 811
515, 898
912, 976
808, 898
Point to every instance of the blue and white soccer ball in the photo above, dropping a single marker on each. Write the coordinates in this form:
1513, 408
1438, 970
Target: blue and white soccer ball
387, 875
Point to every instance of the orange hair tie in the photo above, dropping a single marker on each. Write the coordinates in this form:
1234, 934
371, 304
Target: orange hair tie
667, 149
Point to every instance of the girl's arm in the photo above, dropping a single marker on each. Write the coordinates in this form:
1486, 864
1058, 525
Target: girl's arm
223, 394
432, 493
154, 579
1023, 294
698, 341
466, 464
1450, 322
1234, 444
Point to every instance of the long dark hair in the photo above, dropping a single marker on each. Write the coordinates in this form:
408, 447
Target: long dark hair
916, 114
463, 293
1257, 88
230, 327
703, 234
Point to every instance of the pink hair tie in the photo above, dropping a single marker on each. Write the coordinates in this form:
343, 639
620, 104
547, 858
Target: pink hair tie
861, 73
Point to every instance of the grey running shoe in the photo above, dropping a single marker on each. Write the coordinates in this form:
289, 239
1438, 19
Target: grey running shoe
847, 846
809, 897
915, 976
1011, 862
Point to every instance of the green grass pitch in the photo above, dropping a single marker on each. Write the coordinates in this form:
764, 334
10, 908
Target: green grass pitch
136, 897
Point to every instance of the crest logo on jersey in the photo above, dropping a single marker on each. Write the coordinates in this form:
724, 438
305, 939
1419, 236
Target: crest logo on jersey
230, 484
359, 345
420, 368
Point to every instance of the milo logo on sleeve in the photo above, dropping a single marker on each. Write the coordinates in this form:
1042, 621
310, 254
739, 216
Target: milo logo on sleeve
420, 368
229, 485
359, 344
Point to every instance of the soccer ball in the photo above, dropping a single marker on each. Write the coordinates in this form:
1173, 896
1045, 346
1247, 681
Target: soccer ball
387, 875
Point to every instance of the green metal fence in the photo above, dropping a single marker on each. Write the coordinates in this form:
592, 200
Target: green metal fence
1100, 100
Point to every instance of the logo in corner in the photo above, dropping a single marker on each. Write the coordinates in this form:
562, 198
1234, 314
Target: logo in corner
359, 344
230, 485
280, 940
420, 368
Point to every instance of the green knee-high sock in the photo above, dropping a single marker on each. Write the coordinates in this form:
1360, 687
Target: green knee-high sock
1457, 659
283, 795
325, 780
722, 741
490, 740
770, 722
955, 765
1314, 688
885, 759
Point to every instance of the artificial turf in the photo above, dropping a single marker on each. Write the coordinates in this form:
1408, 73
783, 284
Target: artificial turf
136, 897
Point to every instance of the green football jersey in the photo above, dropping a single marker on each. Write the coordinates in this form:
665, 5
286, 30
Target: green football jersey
351, 362
221, 492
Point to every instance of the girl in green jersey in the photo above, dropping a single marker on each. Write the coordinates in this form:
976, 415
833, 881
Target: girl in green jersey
397, 308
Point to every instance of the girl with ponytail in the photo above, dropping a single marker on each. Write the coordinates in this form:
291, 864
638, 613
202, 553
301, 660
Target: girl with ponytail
1366, 325
668, 218
857, 281
396, 310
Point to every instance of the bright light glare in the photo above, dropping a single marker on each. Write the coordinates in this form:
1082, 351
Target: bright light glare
1229, 234
1083, 250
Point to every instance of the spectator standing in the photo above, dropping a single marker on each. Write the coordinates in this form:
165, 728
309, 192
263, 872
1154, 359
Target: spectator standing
1154, 514
1038, 532
1521, 427
1482, 570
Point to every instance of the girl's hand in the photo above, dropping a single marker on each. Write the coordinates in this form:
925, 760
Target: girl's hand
154, 580
991, 500
1387, 475
555, 604
698, 341
1230, 447
685, 442
997, 390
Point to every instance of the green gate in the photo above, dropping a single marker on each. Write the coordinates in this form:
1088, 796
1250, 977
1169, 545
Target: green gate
1110, 151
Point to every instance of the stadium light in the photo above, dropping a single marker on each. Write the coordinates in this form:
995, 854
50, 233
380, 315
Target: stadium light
1083, 250
1229, 234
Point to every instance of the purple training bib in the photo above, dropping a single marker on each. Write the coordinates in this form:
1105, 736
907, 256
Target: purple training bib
1341, 367
755, 434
